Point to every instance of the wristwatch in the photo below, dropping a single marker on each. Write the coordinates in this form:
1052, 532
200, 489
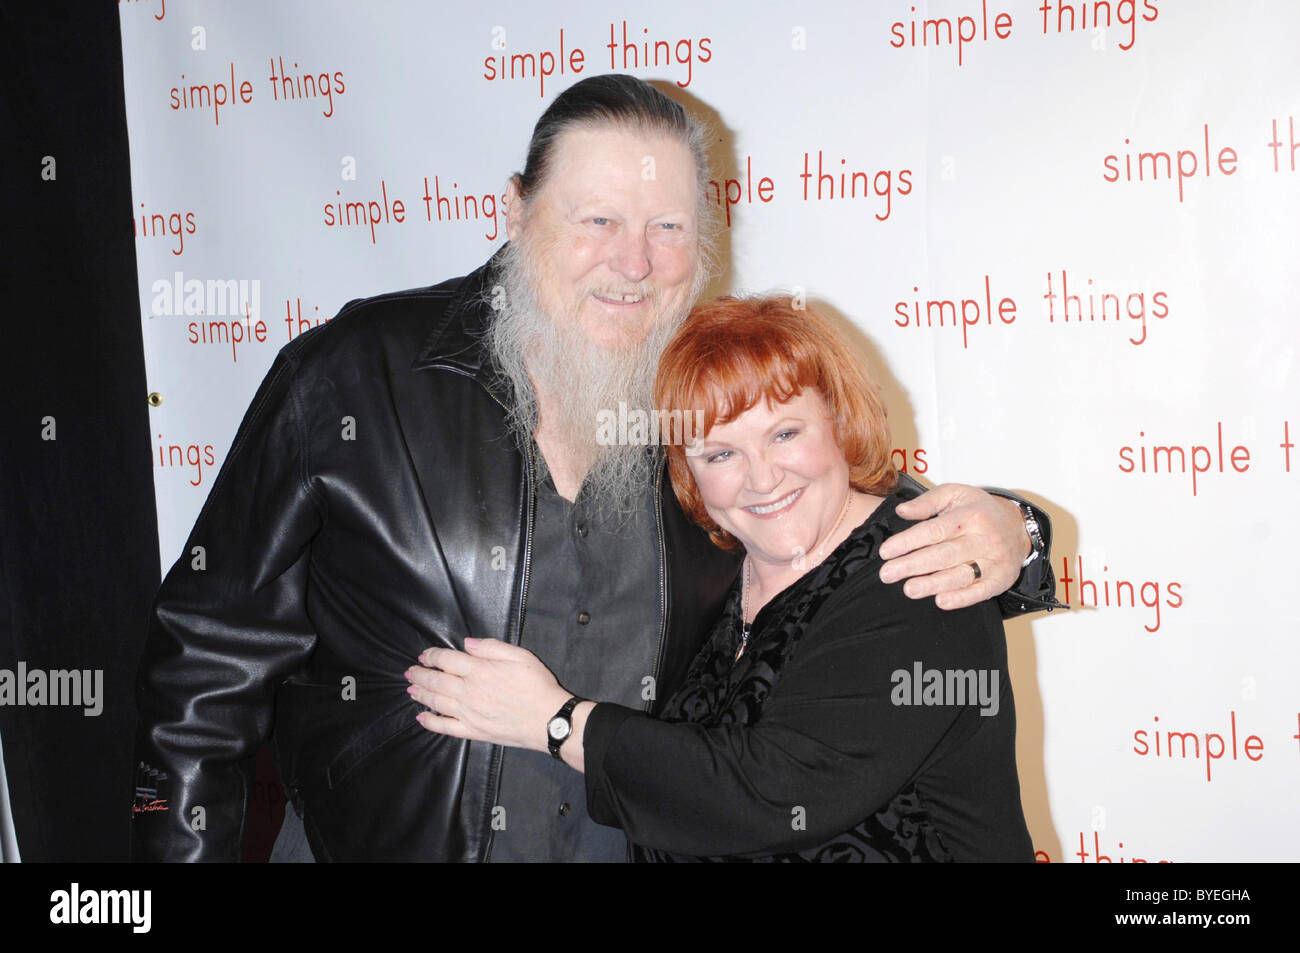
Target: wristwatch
560, 727
1035, 534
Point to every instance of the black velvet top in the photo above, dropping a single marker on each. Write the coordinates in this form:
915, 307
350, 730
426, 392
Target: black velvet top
853, 728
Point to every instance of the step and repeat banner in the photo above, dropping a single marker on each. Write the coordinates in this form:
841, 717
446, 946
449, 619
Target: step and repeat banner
1063, 234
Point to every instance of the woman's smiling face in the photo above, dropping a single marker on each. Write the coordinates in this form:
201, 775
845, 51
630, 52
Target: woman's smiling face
775, 477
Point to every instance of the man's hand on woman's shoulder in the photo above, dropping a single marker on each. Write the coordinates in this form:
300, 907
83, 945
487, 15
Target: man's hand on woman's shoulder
963, 528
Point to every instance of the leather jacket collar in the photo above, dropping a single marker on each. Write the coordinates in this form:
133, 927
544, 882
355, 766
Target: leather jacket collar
456, 341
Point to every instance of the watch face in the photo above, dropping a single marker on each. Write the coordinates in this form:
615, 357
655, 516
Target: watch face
558, 728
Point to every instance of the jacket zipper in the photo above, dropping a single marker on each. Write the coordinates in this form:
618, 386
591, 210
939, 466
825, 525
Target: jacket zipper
498, 754
663, 586
663, 602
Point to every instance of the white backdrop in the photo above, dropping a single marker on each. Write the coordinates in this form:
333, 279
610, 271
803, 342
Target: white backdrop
1140, 160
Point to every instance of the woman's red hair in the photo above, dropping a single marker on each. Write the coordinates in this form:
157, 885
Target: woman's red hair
732, 352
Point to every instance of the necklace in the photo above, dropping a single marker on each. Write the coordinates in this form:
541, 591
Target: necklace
746, 626
744, 611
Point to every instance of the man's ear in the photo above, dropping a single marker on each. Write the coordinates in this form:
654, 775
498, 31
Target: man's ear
514, 209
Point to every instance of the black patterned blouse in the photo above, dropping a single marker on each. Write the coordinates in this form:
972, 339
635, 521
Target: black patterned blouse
859, 725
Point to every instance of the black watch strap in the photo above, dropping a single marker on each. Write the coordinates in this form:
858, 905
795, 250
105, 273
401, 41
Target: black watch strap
560, 727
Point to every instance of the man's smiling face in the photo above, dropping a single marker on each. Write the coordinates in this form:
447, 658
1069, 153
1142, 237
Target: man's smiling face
613, 233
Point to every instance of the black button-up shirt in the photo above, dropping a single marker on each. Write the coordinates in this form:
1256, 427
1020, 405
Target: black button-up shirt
592, 615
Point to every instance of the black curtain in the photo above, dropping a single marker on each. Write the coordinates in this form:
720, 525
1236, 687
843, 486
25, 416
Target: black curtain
78, 531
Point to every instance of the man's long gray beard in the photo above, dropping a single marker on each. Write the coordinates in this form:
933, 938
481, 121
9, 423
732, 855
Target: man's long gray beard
533, 352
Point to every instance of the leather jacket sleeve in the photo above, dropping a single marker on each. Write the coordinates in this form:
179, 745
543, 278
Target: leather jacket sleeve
1036, 588
227, 626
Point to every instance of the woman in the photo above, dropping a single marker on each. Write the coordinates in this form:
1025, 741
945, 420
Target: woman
828, 717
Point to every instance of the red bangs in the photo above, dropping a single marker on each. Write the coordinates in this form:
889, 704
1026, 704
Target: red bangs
727, 357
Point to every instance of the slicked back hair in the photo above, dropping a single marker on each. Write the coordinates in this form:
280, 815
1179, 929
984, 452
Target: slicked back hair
621, 101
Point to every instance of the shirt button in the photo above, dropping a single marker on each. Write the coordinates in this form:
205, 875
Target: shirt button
564, 809
582, 529
584, 618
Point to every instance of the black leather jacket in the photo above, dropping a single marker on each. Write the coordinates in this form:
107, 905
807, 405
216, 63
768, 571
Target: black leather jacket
372, 505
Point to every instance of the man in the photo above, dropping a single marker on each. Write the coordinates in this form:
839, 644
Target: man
425, 468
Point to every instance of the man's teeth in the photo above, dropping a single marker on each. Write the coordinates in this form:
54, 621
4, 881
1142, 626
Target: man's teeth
624, 299
773, 507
